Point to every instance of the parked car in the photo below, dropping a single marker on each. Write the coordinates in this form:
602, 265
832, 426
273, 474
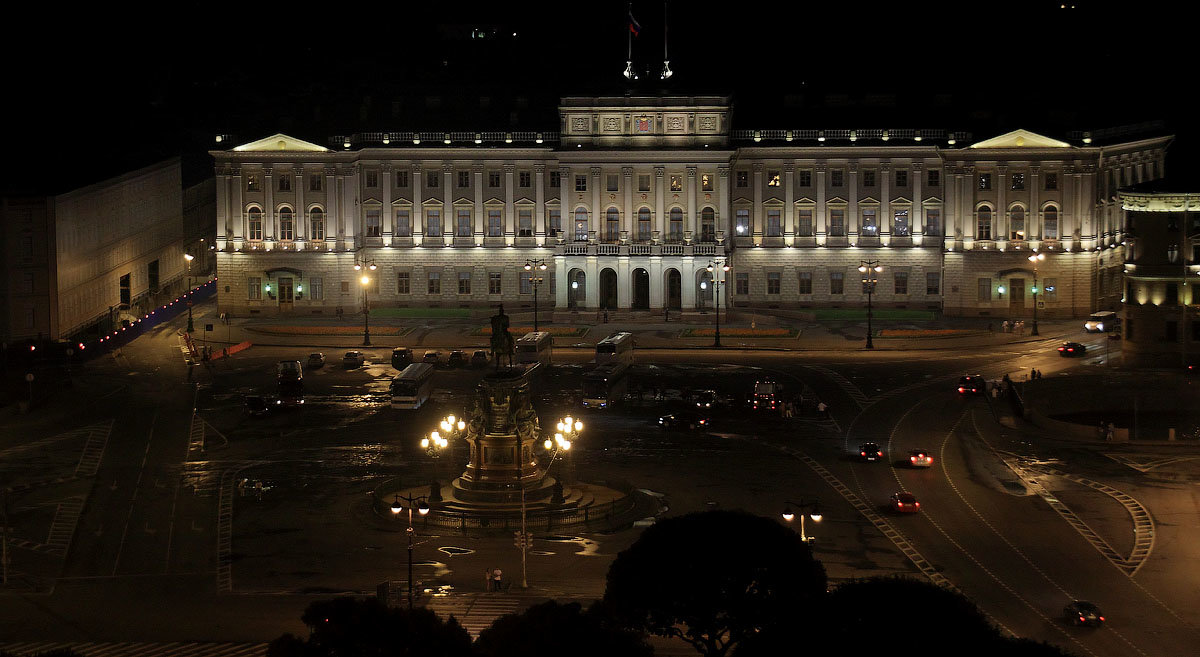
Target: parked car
972, 384
870, 452
707, 399
685, 420
256, 405
432, 357
1071, 349
402, 357
479, 358
316, 359
1081, 612
920, 458
905, 503
353, 359
457, 359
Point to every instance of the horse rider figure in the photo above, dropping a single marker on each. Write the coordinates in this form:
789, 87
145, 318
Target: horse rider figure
502, 340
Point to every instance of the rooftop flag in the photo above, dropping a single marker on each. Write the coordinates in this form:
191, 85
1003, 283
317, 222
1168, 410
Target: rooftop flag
634, 26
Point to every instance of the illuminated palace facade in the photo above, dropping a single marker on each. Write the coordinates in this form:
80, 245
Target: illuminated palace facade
632, 199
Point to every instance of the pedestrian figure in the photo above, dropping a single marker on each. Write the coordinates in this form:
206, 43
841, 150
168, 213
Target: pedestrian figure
1004, 326
496, 580
995, 391
1021, 328
487, 580
1032, 374
1039, 372
822, 410
1110, 432
606, 315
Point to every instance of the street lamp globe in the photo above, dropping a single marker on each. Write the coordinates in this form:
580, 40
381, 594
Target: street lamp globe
365, 280
397, 507
788, 515
189, 257
423, 507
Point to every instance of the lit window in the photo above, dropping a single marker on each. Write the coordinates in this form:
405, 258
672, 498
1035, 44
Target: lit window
773, 179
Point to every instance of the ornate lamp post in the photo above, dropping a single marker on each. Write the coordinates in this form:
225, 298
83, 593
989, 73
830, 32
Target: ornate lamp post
814, 513
189, 257
359, 265
870, 270
451, 428
422, 508
718, 280
1035, 259
536, 278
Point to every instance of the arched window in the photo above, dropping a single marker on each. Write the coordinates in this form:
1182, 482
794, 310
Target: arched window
581, 225
643, 227
287, 225
254, 225
708, 225
612, 225
1050, 223
676, 231
1016, 223
983, 223
317, 225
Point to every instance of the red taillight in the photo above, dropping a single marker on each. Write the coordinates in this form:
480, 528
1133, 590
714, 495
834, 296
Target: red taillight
1101, 619
930, 458
916, 504
913, 459
1060, 348
1082, 619
862, 453
878, 453
961, 389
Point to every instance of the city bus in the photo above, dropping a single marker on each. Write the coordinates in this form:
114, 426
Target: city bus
606, 385
412, 387
536, 347
616, 348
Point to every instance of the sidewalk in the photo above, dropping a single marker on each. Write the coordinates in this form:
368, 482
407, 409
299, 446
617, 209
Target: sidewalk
750, 331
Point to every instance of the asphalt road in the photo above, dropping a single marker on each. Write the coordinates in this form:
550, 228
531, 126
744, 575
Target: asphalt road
162, 544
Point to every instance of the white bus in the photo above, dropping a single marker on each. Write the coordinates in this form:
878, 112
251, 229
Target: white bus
412, 387
536, 347
616, 348
605, 386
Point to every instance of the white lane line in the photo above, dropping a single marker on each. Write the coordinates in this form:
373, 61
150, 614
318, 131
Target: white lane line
133, 500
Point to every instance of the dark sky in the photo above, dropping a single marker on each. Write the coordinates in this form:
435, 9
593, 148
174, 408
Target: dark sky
133, 82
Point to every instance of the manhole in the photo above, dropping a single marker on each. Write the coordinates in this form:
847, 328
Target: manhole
455, 551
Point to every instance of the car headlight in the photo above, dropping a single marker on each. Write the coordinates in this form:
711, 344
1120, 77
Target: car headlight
1100, 327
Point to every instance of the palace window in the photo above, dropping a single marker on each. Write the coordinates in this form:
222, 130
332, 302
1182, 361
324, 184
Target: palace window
983, 223
902, 177
317, 225
900, 223
984, 289
612, 225
1016, 223
1051, 181
870, 222
706, 182
581, 183
252, 183
526, 284
804, 222
555, 179
644, 182
611, 181
254, 229
314, 182
643, 229
525, 222
495, 223
985, 182
372, 179
773, 179
433, 223
464, 178
676, 231
493, 178
402, 178
742, 222
403, 226
900, 282
435, 282
773, 282
372, 222
495, 282
932, 283
403, 283
1050, 223
285, 183
804, 282
837, 282
431, 179
743, 179
933, 221
836, 177
523, 179
804, 178
316, 288
581, 225
254, 288
1018, 181
933, 178
837, 222
742, 282
464, 282
774, 227
555, 223
708, 225
463, 228
287, 225
676, 183
868, 177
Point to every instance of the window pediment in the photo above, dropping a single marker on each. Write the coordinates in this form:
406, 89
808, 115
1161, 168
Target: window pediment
431, 203
837, 200
462, 200
494, 201
932, 200
900, 200
869, 200
401, 202
373, 202
804, 200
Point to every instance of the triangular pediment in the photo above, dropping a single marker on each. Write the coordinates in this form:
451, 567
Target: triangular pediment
869, 200
1021, 139
805, 200
462, 200
524, 200
371, 201
494, 201
900, 200
932, 200
837, 200
774, 200
431, 202
281, 142
401, 201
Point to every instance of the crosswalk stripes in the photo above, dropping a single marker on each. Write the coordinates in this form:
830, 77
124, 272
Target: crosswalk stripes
475, 611
37, 444
845, 384
225, 533
127, 649
89, 461
196, 434
62, 529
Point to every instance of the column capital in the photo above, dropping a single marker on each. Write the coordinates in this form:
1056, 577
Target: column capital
1034, 170
509, 169
757, 167
918, 166
885, 167
691, 172
723, 172
385, 167
476, 168
1002, 170
820, 167
447, 168
627, 172
789, 167
595, 171
416, 169
852, 167
329, 171
266, 170
564, 171
659, 172
298, 170
539, 169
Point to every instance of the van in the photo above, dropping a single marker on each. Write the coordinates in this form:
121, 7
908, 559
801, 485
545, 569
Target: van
1105, 321
289, 370
402, 357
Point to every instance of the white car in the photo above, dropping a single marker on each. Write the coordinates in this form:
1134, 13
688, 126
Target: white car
353, 359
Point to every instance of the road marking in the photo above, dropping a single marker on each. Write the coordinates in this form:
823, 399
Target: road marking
475, 611
123, 649
93, 450
62, 528
845, 384
1147, 462
136, 485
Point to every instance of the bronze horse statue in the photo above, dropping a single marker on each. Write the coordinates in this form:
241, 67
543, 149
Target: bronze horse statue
502, 340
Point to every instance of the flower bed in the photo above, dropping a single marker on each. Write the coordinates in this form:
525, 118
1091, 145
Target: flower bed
922, 333
518, 331
740, 332
330, 330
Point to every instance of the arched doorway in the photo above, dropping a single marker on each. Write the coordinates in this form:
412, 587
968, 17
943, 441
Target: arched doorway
608, 289
704, 289
576, 289
640, 283
674, 288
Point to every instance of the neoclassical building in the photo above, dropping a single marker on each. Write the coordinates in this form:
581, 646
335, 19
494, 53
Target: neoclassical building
632, 199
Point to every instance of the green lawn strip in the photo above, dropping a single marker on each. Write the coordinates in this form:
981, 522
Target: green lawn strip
556, 331
420, 312
740, 333
856, 314
931, 333
330, 330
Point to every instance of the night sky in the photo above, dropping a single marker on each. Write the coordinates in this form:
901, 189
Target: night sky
132, 84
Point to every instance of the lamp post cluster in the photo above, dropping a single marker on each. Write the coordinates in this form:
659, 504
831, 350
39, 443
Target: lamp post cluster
189, 257
536, 278
814, 512
369, 265
422, 508
717, 281
1035, 259
870, 270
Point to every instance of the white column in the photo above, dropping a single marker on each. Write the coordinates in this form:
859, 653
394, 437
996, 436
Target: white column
477, 212
1087, 206
724, 214
348, 194
950, 225
566, 204
660, 193
627, 221
624, 286
756, 221
385, 180
821, 226
1000, 221
966, 202
561, 283
329, 188
885, 203
656, 283
539, 206
269, 231
789, 197
595, 224
687, 283
691, 203
418, 211
917, 215
224, 213
1033, 219
592, 283
301, 215
338, 216
852, 216
509, 233
447, 209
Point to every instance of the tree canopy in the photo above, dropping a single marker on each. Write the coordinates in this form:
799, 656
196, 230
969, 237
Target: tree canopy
368, 628
715, 579
551, 629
